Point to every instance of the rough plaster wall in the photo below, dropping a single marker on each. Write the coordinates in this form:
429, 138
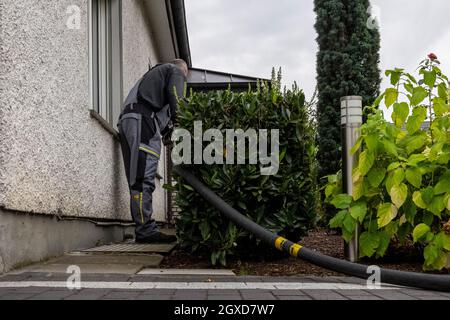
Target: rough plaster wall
55, 158
4, 67
138, 48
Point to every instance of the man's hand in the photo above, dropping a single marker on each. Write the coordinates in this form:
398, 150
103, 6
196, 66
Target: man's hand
167, 140
167, 134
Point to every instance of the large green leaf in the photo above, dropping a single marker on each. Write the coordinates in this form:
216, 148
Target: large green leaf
428, 218
400, 114
393, 166
446, 241
440, 262
398, 177
409, 87
440, 107
366, 161
389, 182
395, 75
358, 210
415, 121
433, 256
390, 97
442, 91
329, 190
359, 189
435, 151
376, 176
372, 142
410, 210
368, 244
427, 194
342, 201
415, 142
414, 177
385, 239
399, 193
386, 213
437, 205
429, 78
420, 231
338, 220
442, 186
418, 96
415, 159
390, 147
349, 224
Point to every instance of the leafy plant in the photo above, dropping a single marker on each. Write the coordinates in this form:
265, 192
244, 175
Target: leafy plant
401, 185
285, 203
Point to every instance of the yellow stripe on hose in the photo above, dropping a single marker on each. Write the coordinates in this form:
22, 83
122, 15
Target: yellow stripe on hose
294, 249
279, 243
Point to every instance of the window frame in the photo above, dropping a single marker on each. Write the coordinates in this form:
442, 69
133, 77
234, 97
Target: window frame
105, 59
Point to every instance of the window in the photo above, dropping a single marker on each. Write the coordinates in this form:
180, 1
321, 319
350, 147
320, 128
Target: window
106, 58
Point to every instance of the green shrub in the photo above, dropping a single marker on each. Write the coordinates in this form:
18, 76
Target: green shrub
402, 181
285, 203
347, 64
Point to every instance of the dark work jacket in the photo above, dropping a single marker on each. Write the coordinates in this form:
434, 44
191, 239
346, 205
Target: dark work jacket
158, 88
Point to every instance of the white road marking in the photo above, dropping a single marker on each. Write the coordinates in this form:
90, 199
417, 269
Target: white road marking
198, 285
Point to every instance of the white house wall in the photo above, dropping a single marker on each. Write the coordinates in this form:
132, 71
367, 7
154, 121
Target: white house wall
55, 158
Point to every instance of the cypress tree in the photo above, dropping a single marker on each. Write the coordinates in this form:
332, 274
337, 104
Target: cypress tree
347, 64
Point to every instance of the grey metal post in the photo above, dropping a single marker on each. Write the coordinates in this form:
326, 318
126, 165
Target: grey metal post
351, 120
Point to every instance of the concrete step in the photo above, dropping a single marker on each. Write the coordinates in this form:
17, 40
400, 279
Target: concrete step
147, 260
98, 263
120, 258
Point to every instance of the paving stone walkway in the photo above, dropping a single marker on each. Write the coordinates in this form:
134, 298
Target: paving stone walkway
53, 286
130, 272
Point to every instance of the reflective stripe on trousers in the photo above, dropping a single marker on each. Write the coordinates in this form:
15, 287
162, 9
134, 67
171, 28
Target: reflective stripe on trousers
141, 160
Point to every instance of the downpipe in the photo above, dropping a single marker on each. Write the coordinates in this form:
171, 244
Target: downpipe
395, 277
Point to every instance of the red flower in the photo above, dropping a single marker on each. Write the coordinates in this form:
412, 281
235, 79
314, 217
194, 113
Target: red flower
432, 56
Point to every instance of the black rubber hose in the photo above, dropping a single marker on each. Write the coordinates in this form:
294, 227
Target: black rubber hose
402, 278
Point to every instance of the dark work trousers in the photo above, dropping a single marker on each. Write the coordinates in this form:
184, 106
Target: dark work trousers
141, 148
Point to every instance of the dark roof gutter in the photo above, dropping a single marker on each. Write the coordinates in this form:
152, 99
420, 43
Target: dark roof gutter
180, 25
209, 80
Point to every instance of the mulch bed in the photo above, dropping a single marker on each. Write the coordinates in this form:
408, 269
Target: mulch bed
327, 242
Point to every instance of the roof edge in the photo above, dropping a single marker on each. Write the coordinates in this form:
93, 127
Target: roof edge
255, 79
180, 28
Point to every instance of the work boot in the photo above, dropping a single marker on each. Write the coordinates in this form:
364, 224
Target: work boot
157, 237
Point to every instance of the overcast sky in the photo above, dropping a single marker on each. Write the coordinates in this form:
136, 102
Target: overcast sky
250, 37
